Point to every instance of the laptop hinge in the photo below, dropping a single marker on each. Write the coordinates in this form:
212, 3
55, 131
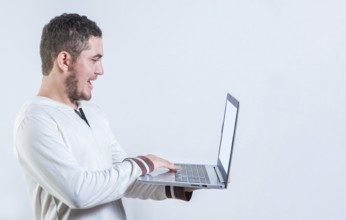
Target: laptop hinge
218, 174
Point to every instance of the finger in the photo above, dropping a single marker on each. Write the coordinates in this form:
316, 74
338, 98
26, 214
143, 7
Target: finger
175, 168
172, 166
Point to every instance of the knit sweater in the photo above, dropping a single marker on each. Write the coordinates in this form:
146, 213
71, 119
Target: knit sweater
78, 170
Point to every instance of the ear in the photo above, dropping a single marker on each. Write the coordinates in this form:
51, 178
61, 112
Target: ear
64, 61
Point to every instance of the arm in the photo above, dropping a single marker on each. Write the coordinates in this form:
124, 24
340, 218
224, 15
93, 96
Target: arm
147, 164
146, 191
47, 160
156, 192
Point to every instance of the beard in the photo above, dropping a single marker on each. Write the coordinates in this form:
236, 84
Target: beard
71, 85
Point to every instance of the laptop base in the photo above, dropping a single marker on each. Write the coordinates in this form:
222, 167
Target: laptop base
163, 176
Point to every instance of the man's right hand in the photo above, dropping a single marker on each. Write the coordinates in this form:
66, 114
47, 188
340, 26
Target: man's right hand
160, 162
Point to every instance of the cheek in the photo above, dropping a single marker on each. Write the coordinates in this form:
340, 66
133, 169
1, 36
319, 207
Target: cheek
82, 73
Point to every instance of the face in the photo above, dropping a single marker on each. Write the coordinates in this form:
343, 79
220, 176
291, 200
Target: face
84, 71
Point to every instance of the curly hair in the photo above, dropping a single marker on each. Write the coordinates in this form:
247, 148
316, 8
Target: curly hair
67, 32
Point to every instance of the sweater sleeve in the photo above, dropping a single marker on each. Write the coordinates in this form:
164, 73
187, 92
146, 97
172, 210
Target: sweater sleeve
141, 190
147, 191
48, 161
157, 192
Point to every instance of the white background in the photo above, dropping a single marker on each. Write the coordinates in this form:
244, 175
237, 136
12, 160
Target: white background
168, 66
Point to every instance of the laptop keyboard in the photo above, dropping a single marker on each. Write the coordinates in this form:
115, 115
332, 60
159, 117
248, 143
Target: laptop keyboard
192, 173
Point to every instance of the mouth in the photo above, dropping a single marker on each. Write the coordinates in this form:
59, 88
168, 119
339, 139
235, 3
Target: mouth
90, 84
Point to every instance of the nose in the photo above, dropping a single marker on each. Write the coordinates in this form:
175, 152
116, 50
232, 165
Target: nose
99, 68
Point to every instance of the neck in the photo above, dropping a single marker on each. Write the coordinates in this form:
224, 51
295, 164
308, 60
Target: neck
52, 89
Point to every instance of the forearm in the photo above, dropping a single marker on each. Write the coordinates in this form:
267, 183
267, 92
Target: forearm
155, 192
79, 188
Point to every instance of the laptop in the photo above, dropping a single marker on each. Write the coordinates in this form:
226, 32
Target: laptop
201, 175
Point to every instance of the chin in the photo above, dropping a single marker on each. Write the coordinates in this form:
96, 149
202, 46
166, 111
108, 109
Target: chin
86, 97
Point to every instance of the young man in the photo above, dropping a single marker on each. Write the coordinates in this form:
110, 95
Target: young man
74, 167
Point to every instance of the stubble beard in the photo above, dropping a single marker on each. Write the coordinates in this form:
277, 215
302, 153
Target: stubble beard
71, 85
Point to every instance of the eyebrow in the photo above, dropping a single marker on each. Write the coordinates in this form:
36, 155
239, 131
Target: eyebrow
98, 56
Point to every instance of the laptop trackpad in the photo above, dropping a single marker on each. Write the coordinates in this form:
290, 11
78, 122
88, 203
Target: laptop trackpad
160, 174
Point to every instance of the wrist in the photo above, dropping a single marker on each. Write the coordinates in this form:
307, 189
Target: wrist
175, 192
144, 163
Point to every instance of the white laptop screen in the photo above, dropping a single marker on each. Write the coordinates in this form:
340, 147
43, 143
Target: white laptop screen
228, 135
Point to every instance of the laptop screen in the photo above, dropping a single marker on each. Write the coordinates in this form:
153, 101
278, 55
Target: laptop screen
227, 136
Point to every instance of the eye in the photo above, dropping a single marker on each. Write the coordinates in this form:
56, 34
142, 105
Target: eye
96, 58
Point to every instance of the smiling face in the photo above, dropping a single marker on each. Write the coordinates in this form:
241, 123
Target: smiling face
87, 67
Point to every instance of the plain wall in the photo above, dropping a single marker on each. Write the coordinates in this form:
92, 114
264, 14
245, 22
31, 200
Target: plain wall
168, 66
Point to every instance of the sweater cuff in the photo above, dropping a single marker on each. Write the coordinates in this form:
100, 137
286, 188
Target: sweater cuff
144, 163
175, 192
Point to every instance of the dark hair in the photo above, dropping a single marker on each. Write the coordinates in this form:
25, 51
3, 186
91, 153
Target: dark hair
67, 32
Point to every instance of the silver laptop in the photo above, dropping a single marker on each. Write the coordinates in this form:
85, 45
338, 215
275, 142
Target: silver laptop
200, 175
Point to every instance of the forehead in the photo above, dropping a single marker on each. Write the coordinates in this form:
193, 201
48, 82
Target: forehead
95, 47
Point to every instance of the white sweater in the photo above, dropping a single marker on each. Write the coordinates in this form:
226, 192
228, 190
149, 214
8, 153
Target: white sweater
74, 171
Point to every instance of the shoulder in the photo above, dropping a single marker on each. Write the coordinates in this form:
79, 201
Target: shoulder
35, 109
39, 107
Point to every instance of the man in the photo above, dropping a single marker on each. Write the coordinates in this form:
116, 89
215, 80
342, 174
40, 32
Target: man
74, 167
